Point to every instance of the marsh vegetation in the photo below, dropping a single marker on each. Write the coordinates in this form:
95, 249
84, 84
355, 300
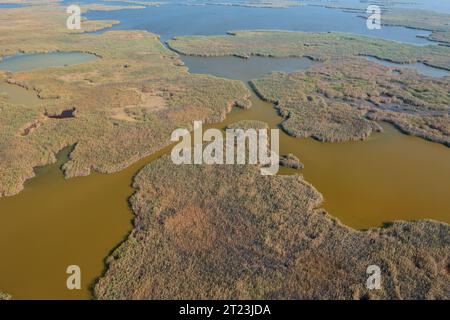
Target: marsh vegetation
339, 99
220, 231
106, 97
261, 238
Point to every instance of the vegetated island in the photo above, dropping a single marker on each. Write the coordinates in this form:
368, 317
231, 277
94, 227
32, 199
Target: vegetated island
227, 232
124, 105
341, 98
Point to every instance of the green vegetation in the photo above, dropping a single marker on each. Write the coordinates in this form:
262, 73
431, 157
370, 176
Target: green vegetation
339, 99
317, 46
336, 102
227, 232
126, 104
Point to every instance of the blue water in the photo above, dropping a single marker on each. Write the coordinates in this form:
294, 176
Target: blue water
172, 20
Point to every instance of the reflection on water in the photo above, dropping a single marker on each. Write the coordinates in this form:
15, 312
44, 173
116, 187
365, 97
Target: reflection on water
244, 69
419, 67
28, 62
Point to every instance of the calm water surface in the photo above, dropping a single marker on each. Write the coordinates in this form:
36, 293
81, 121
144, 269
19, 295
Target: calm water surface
172, 20
28, 62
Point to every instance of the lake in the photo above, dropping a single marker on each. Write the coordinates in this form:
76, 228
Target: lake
172, 20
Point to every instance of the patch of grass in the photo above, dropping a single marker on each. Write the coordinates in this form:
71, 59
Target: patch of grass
227, 232
337, 102
339, 99
318, 46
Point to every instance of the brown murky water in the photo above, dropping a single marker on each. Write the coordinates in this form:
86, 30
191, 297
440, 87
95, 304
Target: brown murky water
55, 222
390, 176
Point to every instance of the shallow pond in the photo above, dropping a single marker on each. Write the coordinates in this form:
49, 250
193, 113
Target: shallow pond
10, 5
244, 69
28, 62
